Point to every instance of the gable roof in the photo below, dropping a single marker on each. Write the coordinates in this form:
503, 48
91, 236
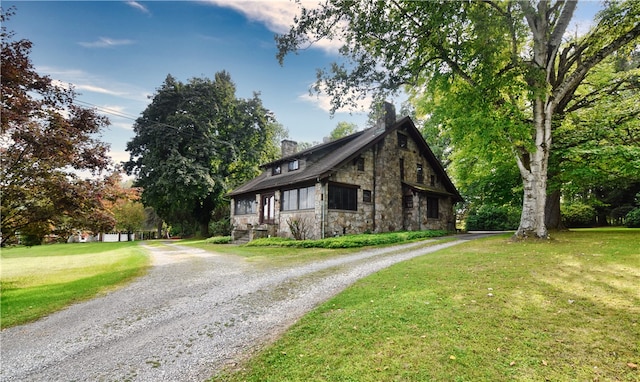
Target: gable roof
332, 155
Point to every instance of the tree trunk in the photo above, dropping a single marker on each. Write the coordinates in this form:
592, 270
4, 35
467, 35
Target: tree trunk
552, 215
533, 169
204, 228
532, 220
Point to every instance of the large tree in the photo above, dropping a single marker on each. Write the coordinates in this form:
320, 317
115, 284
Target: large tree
504, 62
45, 140
196, 141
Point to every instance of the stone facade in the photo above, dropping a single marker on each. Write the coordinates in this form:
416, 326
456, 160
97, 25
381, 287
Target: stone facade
383, 179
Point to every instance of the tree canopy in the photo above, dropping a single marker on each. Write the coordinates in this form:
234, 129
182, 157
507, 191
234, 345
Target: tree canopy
45, 140
196, 141
343, 129
498, 73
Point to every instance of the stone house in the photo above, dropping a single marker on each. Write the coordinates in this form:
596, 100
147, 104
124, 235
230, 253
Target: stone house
382, 179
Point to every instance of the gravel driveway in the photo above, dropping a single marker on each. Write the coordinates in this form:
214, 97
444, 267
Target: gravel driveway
190, 315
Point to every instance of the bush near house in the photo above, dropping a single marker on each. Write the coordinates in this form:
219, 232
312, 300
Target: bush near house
348, 241
633, 218
491, 217
578, 215
218, 240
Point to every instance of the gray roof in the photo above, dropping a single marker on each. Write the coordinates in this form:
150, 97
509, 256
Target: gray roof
329, 157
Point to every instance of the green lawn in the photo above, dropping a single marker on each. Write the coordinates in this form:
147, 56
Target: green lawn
488, 310
39, 280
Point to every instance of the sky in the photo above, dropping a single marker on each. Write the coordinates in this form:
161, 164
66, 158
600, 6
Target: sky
117, 53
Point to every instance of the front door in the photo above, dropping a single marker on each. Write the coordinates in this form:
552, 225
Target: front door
268, 208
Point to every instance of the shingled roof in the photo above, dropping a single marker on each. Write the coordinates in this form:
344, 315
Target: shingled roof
329, 157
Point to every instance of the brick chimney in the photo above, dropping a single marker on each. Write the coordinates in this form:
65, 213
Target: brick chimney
288, 147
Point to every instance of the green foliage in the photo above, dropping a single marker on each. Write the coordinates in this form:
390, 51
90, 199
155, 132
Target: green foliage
578, 214
490, 217
349, 241
218, 240
633, 218
221, 227
196, 141
130, 215
342, 130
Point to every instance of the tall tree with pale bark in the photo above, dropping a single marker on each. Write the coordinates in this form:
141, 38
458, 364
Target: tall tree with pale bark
505, 70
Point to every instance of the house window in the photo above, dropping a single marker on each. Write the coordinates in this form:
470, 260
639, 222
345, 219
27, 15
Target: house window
245, 206
307, 198
276, 170
268, 207
343, 198
432, 208
366, 196
402, 141
360, 164
298, 199
433, 180
408, 201
290, 200
401, 169
294, 165
419, 173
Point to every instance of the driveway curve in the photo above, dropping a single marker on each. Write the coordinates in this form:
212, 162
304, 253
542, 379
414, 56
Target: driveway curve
193, 313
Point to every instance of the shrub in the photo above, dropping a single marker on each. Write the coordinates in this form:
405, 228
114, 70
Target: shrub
493, 218
633, 218
299, 227
576, 215
220, 227
218, 240
348, 241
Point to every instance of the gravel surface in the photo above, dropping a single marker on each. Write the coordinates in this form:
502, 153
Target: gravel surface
192, 314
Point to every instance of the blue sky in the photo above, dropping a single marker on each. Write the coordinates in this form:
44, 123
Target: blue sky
116, 53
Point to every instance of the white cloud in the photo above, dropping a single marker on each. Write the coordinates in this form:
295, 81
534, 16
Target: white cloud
138, 6
277, 16
323, 102
105, 42
98, 89
87, 82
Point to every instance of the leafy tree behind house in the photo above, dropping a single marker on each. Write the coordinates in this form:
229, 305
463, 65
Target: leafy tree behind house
194, 142
343, 129
45, 140
498, 70
130, 216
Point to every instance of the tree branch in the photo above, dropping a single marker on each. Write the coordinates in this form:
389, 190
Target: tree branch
571, 83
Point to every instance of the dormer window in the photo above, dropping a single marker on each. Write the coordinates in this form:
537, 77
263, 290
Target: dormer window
276, 170
294, 165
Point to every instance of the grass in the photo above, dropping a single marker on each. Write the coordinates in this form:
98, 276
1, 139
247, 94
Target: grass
37, 281
349, 241
488, 310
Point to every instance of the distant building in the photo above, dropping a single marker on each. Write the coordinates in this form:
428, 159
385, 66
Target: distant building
382, 179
